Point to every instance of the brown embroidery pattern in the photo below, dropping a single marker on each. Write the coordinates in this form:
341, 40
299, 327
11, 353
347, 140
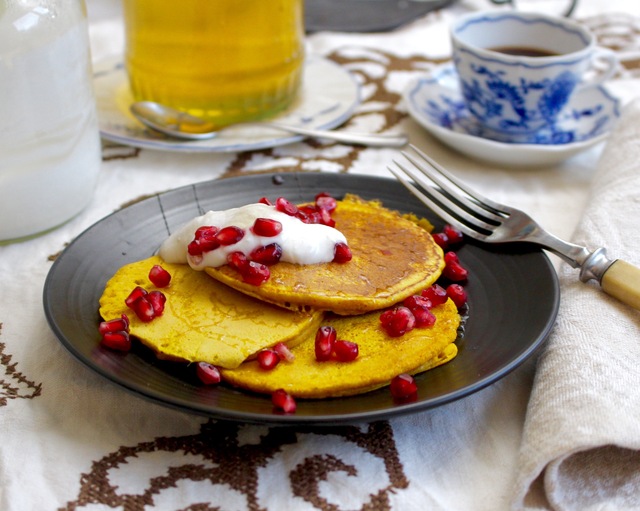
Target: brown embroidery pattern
13, 384
230, 470
620, 33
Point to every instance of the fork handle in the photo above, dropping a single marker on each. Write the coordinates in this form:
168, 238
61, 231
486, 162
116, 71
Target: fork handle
622, 281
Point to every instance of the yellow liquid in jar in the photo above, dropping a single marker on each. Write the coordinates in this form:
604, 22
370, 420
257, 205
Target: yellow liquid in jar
225, 60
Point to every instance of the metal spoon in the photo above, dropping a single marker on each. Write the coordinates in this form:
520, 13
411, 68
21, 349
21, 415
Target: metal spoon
182, 125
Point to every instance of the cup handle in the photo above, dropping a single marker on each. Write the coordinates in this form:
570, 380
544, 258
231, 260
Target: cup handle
604, 65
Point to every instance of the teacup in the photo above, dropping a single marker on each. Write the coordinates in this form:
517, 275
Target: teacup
518, 70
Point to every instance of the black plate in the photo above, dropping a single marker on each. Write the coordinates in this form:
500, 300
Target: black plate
514, 298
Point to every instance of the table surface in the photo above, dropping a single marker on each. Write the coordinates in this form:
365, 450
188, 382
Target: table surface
87, 444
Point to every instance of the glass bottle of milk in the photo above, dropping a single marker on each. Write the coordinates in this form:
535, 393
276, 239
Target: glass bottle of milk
49, 138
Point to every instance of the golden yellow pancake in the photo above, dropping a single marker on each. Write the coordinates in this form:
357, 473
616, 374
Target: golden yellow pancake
203, 320
380, 358
393, 257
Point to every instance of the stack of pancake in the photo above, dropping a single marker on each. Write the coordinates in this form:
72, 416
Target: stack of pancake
213, 316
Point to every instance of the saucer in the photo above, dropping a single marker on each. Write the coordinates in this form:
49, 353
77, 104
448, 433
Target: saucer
436, 103
328, 98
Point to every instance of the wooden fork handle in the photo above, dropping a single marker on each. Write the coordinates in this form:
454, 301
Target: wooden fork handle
622, 281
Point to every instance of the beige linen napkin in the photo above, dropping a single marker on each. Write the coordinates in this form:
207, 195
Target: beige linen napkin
581, 443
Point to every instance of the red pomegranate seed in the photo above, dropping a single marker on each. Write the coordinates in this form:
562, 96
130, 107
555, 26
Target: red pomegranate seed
397, 321
457, 294
453, 234
208, 373
229, 235
114, 325
137, 293
342, 253
159, 277
455, 271
157, 300
286, 207
284, 352
403, 386
255, 273
283, 401
268, 359
144, 309
451, 257
117, 340
436, 294
325, 339
424, 317
194, 248
205, 239
264, 200
325, 218
269, 254
417, 302
237, 260
346, 351
267, 227
326, 202
441, 239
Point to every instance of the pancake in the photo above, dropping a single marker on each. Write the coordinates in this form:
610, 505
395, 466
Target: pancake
380, 358
203, 320
393, 257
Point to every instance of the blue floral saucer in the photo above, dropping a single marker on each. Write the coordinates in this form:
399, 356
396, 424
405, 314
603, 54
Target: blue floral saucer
436, 103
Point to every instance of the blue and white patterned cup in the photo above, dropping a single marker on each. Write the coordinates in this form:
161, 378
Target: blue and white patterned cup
518, 70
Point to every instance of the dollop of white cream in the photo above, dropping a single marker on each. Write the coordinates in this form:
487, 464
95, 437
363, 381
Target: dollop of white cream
301, 243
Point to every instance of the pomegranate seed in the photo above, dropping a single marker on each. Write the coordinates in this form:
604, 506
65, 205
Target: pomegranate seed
455, 272
417, 302
398, 321
269, 254
159, 277
144, 309
424, 317
325, 218
208, 373
342, 253
441, 239
157, 300
268, 359
266, 227
457, 294
255, 273
453, 234
325, 339
346, 351
451, 257
283, 401
117, 340
403, 386
436, 294
284, 352
114, 325
286, 207
135, 295
205, 239
264, 200
194, 248
237, 260
326, 202
229, 235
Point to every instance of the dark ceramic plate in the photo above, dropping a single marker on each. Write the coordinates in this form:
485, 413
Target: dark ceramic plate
513, 303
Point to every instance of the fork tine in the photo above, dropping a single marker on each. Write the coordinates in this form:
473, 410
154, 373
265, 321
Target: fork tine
427, 194
479, 199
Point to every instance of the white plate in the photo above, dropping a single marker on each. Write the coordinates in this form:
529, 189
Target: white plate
435, 102
328, 98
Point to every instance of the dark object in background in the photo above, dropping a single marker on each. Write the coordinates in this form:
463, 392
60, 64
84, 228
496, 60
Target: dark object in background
365, 15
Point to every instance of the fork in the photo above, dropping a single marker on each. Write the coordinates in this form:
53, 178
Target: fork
491, 222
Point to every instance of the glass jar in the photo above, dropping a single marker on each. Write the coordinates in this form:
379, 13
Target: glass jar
49, 140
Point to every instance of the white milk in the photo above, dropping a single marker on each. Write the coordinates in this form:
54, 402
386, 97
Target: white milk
49, 139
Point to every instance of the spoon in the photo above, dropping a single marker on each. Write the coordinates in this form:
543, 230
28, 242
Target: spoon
178, 124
